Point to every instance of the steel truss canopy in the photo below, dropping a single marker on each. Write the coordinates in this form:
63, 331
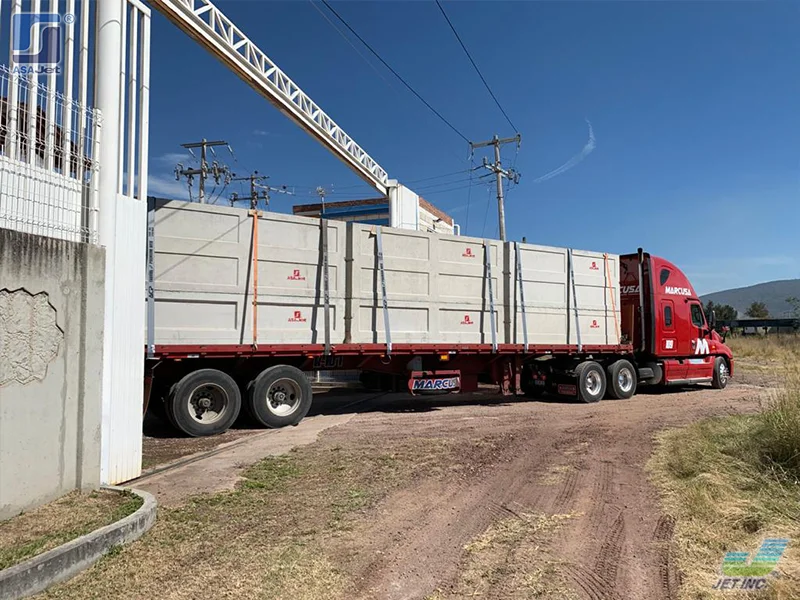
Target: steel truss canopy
206, 24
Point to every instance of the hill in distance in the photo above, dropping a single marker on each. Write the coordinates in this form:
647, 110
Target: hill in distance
772, 293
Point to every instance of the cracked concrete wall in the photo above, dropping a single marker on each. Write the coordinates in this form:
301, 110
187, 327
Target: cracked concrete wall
51, 352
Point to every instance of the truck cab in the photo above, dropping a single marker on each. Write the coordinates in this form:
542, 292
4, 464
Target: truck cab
663, 318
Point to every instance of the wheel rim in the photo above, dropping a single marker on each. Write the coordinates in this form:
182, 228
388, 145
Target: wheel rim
283, 397
625, 380
723, 373
207, 403
593, 383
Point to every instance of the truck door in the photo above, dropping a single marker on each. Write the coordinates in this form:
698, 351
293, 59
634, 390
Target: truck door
701, 363
669, 341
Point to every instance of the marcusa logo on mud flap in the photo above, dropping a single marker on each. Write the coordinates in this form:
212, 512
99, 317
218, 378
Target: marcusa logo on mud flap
451, 383
741, 573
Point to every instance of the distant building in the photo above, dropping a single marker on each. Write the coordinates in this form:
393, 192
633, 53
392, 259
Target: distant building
413, 213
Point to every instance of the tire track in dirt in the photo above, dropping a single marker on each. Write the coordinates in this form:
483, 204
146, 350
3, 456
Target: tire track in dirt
669, 576
607, 561
615, 546
589, 584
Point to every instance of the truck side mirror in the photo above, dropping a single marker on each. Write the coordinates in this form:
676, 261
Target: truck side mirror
712, 319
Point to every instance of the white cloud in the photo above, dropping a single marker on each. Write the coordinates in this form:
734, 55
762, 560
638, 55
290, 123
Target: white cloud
168, 187
172, 158
261, 132
588, 148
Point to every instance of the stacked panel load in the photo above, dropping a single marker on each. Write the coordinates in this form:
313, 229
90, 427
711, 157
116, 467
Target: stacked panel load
556, 311
437, 290
204, 276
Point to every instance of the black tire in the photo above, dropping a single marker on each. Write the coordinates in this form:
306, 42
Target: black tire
205, 402
279, 396
621, 380
591, 379
720, 377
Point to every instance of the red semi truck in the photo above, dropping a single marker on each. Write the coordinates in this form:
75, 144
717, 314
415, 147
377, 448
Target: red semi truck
665, 340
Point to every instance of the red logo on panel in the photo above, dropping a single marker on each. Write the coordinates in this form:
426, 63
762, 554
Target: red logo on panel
594, 324
594, 267
468, 253
467, 321
298, 317
295, 276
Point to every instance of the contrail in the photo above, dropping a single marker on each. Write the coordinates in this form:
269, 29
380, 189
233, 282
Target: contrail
587, 150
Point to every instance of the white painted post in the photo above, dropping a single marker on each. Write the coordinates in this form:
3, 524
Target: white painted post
108, 96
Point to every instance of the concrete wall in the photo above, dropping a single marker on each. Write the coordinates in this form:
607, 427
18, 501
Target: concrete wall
51, 331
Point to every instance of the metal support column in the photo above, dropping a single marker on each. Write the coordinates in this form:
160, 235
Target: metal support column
574, 299
384, 301
487, 261
522, 298
326, 296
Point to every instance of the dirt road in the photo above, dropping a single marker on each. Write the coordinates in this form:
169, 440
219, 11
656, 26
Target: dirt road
585, 461
536, 498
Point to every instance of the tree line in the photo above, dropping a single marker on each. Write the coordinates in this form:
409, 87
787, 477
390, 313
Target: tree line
757, 310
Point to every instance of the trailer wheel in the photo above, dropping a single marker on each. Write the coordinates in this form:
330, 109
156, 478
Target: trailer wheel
591, 381
280, 396
720, 377
204, 402
621, 380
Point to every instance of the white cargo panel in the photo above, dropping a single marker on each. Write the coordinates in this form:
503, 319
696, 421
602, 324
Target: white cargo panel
549, 300
436, 287
204, 276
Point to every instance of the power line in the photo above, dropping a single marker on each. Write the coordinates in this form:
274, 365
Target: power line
352, 45
395, 73
463, 187
477, 70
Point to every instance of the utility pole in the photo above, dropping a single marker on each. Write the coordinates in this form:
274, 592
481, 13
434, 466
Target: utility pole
216, 169
258, 190
499, 172
322, 192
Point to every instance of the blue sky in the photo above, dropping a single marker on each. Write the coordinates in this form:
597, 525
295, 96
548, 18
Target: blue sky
694, 106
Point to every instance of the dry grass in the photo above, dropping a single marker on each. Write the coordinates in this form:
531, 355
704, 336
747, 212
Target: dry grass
508, 561
60, 521
267, 538
731, 482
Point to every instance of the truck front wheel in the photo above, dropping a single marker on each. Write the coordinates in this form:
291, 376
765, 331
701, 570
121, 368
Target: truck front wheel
591, 381
621, 380
204, 402
719, 379
280, 396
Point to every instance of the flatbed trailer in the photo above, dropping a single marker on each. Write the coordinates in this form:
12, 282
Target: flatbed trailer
203, 387
409, 310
